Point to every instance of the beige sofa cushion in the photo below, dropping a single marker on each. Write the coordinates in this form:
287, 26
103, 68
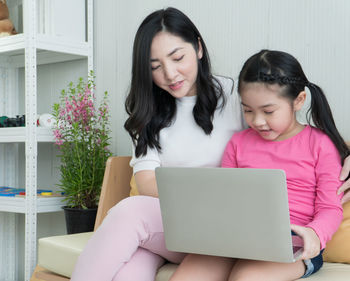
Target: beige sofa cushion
329, 272
60, 253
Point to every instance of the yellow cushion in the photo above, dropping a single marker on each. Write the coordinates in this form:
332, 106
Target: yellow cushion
133, 190
338, 249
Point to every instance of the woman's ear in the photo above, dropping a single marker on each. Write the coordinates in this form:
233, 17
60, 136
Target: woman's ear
299, 101
200, 49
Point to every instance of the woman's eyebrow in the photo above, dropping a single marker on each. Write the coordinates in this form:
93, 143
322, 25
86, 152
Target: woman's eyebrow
170, 54
265, 105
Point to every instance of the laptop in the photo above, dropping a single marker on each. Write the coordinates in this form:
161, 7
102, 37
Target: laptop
238, 213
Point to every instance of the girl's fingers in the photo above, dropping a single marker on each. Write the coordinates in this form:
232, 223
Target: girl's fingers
311, 247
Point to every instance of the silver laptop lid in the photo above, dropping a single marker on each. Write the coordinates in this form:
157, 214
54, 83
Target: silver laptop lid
227, 212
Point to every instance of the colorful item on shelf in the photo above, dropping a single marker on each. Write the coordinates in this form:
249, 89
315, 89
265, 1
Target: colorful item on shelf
2, 121
15, 192
45, 120
46, 194
18, 121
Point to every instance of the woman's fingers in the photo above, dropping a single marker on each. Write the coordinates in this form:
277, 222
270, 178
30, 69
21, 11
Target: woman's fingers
345, 171
346, 197
344, 187
344, 174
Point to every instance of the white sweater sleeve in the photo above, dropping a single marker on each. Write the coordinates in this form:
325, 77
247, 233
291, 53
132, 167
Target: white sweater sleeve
148, 162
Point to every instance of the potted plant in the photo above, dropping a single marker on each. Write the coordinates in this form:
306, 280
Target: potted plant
81, 133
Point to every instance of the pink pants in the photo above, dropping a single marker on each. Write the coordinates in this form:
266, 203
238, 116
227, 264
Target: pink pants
129, 244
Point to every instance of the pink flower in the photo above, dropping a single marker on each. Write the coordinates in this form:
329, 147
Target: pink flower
57, 134
62, 112
59, 142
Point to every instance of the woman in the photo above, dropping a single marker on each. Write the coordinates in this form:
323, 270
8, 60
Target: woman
179, 115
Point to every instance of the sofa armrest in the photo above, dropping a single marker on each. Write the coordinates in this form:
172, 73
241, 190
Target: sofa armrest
115, 186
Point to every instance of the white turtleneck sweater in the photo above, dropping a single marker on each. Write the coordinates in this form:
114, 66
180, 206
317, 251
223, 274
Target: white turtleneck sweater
184, 143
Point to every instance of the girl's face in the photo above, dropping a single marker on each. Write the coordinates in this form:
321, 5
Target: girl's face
270, 113
174, 64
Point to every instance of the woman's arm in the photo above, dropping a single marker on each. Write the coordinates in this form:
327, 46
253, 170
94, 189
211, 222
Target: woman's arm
145, 176
146, 183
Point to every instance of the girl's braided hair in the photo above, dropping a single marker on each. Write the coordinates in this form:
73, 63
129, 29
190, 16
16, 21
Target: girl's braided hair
276, 67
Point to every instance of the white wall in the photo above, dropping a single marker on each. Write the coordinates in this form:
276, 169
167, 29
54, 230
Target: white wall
314, 31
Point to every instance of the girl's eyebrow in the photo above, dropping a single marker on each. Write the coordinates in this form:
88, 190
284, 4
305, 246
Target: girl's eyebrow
170, 54
263, 106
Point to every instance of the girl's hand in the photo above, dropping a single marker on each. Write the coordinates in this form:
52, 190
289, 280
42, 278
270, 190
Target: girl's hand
312, 243
346, 185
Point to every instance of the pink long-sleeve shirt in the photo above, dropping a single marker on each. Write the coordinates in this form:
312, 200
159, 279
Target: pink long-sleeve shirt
312, 166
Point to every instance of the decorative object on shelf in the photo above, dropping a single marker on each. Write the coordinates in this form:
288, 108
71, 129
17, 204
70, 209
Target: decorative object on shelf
46, 120
6, 25
18, 192
2, 121
82, 135
18, 121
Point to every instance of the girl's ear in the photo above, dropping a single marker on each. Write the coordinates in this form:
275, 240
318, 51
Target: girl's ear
200, 49
299, 101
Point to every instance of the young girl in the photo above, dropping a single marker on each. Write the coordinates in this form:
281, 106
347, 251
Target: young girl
272, 89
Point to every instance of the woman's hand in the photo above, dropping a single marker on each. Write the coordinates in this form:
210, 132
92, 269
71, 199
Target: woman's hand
146, 183
312, 244
346, 185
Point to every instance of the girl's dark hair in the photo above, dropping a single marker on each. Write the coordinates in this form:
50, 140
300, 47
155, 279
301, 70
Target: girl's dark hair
149, 107
275, 67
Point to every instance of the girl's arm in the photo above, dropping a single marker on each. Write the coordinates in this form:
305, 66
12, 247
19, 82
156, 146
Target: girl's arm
346, 185
146, 183
328, 212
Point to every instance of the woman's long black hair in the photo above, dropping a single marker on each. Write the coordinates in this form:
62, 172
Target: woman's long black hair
275, 67
149, 107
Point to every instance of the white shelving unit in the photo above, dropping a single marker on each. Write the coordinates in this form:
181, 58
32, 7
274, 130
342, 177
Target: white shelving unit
18, 134
17, 205
28, 50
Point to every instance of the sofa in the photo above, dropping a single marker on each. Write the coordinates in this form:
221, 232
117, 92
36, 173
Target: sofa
57, 255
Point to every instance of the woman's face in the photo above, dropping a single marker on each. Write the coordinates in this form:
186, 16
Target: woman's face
174, 64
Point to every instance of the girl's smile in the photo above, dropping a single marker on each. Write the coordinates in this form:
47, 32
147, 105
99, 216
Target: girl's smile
270, 113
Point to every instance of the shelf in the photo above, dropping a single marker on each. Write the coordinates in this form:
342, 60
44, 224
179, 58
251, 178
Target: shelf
46, 40
18, 134
18, 204
50, 49
12, 45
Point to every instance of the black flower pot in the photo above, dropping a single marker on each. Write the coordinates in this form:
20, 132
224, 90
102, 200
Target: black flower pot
79, 220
